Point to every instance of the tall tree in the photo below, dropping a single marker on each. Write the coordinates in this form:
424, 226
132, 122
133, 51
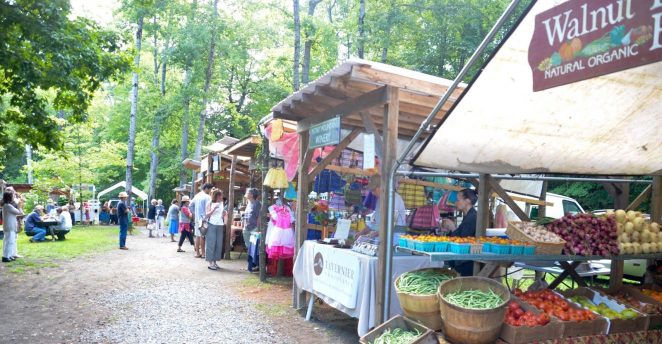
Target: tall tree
361, 43
297, 46
309, 31
134, 109
186, 102
208, 79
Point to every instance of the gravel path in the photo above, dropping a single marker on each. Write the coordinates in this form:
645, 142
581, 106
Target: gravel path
151, 313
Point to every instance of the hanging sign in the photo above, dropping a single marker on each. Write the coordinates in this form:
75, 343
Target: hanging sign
336, 274
368, 151
583, 39
326, 133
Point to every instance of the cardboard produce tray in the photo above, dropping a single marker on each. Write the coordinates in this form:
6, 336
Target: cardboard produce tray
427, 336
655, 320
523, 334
639, 323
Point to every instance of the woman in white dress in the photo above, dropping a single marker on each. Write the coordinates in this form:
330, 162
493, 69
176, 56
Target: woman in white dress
215, 214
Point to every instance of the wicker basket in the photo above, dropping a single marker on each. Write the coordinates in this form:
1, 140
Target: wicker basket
515, 233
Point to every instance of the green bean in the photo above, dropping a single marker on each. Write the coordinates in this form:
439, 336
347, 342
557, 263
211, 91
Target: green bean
474, 299
397, 336
421, 282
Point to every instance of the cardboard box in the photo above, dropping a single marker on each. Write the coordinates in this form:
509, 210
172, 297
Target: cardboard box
654, 320
639, 323
584, 328
525, 334
427, 336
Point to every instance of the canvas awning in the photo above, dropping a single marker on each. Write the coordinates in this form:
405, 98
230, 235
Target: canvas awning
122, 184
604, 125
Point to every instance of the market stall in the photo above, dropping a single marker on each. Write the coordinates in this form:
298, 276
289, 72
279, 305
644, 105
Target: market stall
542, 105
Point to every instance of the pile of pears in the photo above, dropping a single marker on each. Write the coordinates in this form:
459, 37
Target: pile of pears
603, 309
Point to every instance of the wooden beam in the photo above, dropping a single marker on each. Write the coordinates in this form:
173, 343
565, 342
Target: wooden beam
527, 200
390, 149
334, 153
301, 231
349, 170
509, 200
405, 83
483, 218
228, 221
542, 208
367, 100
372, 129
641, 198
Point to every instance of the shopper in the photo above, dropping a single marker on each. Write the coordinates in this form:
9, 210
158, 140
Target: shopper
123, 219
151, 217
10, 215
173, 219
185, 217
215, 229
72, 211
466, 199
199, 206
63, 220
160, 217
249, 220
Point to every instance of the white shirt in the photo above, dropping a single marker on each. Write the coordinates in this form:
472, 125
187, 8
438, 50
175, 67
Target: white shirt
199, 205
64, 221
399, 213
216, 217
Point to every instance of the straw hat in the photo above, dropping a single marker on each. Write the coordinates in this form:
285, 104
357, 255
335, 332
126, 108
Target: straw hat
123, 195
185, 199
39, 207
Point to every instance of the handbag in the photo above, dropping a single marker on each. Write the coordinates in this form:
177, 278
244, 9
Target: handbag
204, 227
425, 218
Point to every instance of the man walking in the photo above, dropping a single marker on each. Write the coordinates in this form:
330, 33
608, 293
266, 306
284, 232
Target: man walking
199, 205
250, 219
123, 219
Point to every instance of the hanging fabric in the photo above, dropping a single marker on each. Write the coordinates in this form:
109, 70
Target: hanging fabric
337, 202
276, 130
328, 181
370, 201
291, 192
413, 195
288, 148
280, 234
425, 218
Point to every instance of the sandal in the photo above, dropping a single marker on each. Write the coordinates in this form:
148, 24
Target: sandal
198, 256
212, 268
180, 250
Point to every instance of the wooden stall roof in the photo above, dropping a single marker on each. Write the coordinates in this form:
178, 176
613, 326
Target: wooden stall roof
221, 144
245, 147
419, 93
191, 164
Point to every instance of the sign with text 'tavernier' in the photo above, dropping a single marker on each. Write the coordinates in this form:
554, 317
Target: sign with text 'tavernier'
582, 39
326, 133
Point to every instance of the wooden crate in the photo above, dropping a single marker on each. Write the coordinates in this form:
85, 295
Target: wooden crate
513, 232
524, 334
427, 336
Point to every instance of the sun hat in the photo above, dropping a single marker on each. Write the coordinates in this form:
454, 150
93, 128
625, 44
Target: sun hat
123, 195
185, 199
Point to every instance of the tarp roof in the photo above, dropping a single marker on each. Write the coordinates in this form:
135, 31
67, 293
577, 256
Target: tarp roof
607, 125
122, 184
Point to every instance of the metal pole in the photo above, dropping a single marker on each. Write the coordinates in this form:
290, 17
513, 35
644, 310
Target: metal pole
520, 177
391, 175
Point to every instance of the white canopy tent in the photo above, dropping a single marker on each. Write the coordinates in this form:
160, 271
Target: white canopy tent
605, 125
122, 184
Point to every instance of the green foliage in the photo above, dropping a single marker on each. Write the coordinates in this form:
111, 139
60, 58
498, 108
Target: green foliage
43, 50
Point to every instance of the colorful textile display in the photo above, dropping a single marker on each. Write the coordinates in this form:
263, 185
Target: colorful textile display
280, 234
328, 181
413, 195
276, 178
370, 201
291, 192
425, 218
337, 202
287, 148
276, 130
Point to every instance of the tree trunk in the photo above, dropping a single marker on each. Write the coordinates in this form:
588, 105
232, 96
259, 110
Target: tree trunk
185, 120
297, 46
262, 225
134, 109
156, 53
208, 76
387, 32
361, 28
153, 166
308, 44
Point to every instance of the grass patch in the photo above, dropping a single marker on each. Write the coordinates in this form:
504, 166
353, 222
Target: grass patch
273, 310
253, 281
81, 241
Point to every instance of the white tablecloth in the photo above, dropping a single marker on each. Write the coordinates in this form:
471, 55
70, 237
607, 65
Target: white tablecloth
366, 303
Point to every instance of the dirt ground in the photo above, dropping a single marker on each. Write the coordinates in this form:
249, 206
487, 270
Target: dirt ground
58, 305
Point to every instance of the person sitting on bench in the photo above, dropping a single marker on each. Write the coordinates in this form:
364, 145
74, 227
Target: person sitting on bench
63, 220
31, 229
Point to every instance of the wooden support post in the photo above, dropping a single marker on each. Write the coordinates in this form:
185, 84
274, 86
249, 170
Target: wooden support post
656, 199
542, 209
210, 169
228, 222
483, 203
506, 198
641, 198
390, 149
335, 153
301, 231
261, 224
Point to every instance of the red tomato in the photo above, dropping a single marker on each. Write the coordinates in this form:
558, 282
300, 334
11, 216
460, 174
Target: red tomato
518, 312
564, 305
512, 306
543, 319
563, 316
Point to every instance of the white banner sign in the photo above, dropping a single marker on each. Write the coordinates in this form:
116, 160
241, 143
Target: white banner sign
368, 151
336, 274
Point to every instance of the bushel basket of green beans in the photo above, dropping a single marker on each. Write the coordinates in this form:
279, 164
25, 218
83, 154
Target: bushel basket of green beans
424, 281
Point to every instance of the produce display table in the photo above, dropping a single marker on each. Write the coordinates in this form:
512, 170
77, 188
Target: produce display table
365, 308
642, 337
494, 261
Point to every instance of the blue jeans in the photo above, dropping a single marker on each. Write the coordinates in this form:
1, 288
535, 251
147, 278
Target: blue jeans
124, 227
39, 234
